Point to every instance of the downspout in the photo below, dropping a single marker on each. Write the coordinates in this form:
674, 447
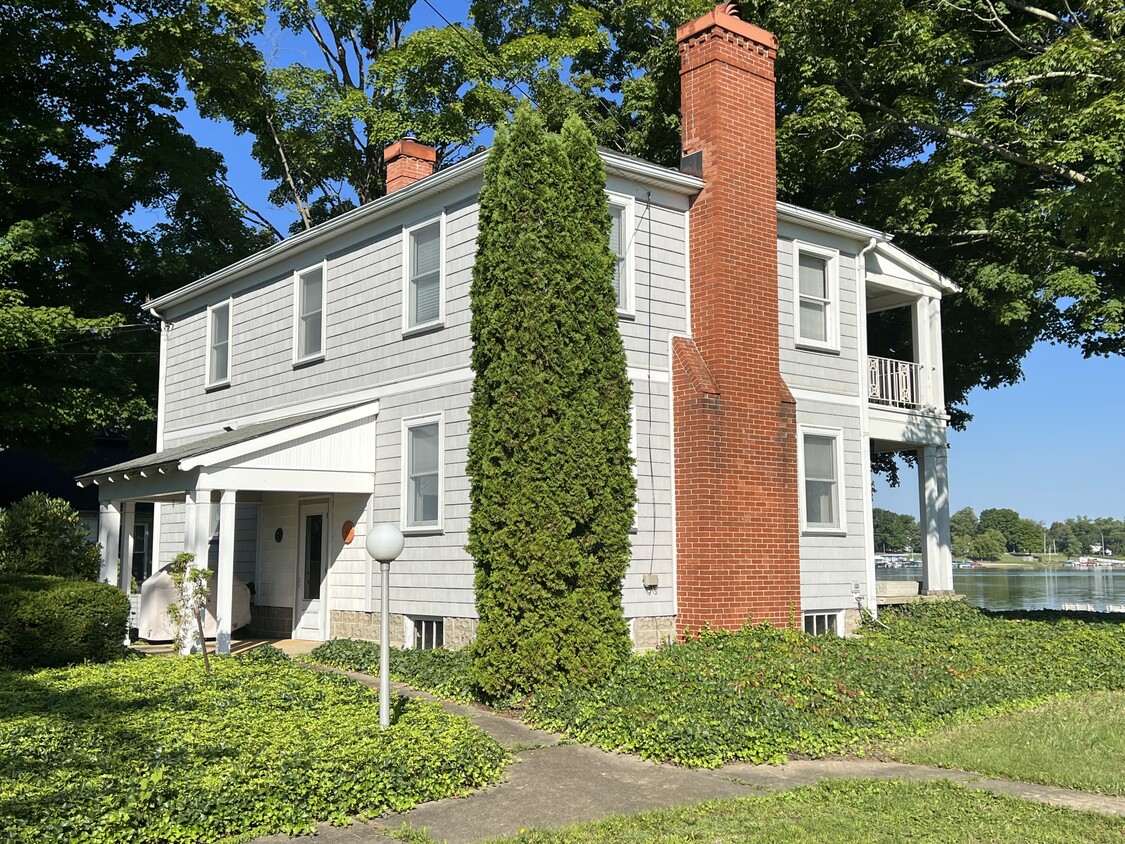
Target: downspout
865, 434
165, 326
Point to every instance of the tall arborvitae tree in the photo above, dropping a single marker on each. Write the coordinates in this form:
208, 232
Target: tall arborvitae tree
551, 484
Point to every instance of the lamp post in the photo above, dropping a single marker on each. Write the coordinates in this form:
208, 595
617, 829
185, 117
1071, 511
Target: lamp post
384, 544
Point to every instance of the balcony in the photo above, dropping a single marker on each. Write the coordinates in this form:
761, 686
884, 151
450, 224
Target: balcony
894, 383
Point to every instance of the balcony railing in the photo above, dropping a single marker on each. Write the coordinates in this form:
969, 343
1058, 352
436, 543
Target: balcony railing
894, 383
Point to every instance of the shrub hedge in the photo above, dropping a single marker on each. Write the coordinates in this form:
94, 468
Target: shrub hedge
44, 535
763, 694
154, 750
49, 621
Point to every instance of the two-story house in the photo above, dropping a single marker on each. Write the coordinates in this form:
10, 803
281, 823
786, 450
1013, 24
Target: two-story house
322, 386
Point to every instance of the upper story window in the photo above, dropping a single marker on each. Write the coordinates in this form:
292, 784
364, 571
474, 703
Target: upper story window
822, 472
422, 477
308, 314
817, 296
621, 245
218, 345
423, 270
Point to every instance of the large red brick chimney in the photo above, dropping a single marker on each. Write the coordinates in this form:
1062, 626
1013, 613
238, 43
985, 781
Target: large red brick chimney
737, 516
407, 161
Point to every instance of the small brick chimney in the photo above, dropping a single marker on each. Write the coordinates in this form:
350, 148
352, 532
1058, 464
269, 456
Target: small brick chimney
737, 505
407, 161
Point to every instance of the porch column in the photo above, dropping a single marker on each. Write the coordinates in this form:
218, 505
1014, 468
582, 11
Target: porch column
125, 578
109, 537
197, 529
129, 521
933, 501
224, 587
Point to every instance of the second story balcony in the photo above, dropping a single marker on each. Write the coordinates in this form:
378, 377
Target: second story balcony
894, 383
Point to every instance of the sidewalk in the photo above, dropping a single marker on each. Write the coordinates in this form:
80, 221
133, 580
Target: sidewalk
552, 784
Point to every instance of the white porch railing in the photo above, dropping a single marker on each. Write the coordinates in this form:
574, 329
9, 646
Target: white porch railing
894, 382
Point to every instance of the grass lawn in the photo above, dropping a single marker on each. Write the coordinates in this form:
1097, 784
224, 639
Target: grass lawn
860, 810
1076, 742
153, 749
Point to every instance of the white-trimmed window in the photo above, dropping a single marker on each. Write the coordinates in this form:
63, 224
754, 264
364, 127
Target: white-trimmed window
822, 623
822, 473
429, 634
309, 306
816, 297
423, 264
218, 345
422, 474
621, 238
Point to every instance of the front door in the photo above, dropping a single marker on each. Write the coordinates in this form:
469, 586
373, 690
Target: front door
312, 568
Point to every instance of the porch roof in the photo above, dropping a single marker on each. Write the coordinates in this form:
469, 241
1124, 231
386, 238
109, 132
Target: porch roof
323, 451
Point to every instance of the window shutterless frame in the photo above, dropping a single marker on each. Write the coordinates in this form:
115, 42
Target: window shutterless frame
219, 343
310, 306
820, 464
816, 297
622, 243
423, 275
423, 474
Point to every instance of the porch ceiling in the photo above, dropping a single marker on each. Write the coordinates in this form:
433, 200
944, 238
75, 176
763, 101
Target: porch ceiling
313, 452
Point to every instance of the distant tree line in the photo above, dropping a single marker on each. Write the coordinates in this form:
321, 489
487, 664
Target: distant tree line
1002, 530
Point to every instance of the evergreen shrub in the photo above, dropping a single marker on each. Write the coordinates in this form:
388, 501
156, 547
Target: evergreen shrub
551, 485
49, 621
44, 535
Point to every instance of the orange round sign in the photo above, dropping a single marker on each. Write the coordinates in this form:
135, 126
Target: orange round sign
348, 532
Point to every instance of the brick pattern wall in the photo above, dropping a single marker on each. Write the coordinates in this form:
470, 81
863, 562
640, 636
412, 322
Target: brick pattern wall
407, 161
737, 518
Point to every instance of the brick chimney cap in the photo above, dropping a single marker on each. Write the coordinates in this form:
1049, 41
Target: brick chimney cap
411, 148
722, 18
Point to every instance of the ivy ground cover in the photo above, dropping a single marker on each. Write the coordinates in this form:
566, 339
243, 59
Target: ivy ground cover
154, 749
761, 695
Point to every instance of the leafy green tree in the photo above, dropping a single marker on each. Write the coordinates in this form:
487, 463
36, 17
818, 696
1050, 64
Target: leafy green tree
963, 522
1028, 536
320, 124
43, 535
551, 486
1004, 520
962, 542
987, 545
104, 199
1063, 538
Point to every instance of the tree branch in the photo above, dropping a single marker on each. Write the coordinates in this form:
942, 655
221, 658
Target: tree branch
947, 132
301, 208
250, 214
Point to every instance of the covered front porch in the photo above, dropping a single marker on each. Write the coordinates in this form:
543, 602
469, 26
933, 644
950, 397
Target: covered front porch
304, 475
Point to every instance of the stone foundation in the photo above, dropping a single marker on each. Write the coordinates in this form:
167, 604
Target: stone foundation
271, 622
852, 619
349, 624
652, 632
459, 632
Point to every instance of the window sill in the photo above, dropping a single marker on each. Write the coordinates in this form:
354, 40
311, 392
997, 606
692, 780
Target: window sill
214, 388
427, 328
423, 530
824, 531
824, 349
309, 361
631, 316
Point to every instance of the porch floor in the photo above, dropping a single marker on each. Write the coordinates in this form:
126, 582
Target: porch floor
237, 646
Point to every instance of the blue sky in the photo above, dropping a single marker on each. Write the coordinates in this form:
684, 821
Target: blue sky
1046, 447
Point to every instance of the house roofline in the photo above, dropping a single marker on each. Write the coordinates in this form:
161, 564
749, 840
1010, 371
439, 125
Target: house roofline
638, 169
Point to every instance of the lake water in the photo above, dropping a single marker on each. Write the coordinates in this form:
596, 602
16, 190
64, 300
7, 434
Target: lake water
1012, 589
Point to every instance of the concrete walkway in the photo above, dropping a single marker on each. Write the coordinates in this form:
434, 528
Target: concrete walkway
551, 783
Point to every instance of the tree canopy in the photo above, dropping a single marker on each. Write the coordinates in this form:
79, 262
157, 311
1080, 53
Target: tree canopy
103, 200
